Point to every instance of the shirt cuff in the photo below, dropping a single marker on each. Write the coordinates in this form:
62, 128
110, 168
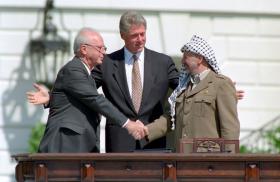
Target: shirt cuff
125, 123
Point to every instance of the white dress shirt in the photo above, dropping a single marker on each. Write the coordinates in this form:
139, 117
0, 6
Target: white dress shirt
88, 70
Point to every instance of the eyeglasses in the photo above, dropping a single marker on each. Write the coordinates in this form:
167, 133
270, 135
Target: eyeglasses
101, 49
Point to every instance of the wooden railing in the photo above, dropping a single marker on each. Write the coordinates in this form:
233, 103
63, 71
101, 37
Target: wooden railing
147, 167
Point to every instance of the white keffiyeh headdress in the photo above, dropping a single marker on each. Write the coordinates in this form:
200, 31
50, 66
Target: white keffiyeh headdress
199, 46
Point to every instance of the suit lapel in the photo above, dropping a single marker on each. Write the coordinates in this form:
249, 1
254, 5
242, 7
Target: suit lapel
119, 74
148, 77
82, 66
78, 61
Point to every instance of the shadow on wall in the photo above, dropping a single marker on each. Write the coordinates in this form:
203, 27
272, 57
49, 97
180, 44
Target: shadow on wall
18, 115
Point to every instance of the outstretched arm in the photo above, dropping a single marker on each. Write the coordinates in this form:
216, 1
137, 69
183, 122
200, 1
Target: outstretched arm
41, 96
158, 128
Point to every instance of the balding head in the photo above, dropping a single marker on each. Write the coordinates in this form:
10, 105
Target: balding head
89, 47
85, 36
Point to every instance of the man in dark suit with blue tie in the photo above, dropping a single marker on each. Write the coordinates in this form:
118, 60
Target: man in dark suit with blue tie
75, 103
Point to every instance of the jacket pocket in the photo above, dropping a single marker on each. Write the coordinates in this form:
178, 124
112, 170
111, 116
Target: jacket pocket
74, 127
179, 99
201, 106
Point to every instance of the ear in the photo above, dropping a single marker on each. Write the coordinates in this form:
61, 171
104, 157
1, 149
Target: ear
83, 49
200, 59
122, 35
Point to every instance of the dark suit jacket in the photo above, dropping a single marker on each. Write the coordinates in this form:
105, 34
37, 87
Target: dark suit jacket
160, 73
74, 107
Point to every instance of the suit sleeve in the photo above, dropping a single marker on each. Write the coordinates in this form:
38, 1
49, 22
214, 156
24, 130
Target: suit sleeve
158, 128
227, 110
173, 74
78, 84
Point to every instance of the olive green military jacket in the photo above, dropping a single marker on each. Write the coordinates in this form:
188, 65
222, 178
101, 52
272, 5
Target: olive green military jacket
209, 110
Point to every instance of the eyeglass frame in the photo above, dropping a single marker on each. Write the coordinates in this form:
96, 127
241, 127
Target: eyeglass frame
99, 48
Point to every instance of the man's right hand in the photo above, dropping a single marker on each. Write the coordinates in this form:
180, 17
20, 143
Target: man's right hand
136, 129
41, 96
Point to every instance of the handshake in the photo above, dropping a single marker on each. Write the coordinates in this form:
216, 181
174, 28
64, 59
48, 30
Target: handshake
137, 129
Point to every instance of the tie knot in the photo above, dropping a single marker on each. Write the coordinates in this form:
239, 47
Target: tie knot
135, 58
195, 79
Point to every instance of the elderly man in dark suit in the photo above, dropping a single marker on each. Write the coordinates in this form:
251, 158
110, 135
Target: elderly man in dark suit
75, 104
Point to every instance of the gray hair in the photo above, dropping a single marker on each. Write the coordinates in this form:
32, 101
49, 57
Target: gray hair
82, 38
131, 18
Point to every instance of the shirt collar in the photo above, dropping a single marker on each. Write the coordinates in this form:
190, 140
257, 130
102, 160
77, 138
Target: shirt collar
128, 55
86, 66
195, 79
203, 74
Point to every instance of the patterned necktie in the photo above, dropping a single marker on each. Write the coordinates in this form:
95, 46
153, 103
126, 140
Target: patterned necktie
136, 85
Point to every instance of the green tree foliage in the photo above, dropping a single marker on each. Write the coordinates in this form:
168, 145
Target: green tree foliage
36, 136
272, 137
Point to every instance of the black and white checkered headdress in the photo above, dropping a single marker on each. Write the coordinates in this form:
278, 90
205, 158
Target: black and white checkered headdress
199, 46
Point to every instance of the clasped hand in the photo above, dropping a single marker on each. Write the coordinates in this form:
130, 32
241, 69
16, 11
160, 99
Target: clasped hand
137, 129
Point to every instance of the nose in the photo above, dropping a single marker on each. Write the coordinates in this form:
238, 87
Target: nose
102, 53
103, 50
140, 37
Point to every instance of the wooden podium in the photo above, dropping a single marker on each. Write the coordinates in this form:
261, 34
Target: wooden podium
147, 167
208, 145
